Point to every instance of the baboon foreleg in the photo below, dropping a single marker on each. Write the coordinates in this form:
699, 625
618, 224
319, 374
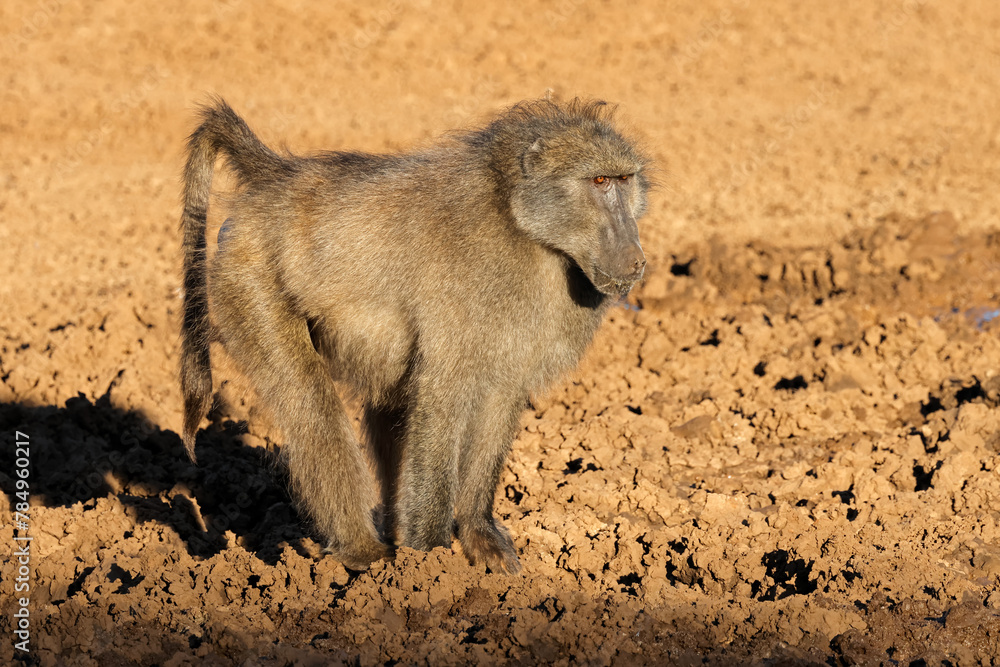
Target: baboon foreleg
330, 478
386, 431
483, 538
428, 476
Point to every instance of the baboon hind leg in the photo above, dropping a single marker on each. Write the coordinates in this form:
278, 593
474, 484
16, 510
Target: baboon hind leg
386, 431
330, 477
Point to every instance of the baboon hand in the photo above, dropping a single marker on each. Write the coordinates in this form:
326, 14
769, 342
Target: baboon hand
489, 543
360, 557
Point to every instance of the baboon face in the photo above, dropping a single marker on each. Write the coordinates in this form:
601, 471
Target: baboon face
617, 263
583, 198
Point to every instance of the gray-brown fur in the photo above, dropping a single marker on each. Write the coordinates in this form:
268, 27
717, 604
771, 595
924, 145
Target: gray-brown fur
444, 286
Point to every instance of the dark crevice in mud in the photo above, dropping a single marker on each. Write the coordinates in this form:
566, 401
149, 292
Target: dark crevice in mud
576, 465
682, 268
712, 340
924, 477
791, 384
629, 582
77, 584
846, 497
127, 579
791, 576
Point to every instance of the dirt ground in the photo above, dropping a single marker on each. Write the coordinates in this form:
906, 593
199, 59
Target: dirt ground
782, 450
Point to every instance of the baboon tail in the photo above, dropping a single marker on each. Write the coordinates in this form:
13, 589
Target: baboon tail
221, 131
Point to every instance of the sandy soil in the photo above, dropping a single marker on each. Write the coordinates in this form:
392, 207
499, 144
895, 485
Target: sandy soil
782, 450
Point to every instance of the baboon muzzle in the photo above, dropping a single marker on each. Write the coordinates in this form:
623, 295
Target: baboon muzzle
621, 269
621, 260
628, 263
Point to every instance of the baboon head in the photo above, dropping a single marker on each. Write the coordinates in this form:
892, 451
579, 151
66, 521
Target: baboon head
578, 186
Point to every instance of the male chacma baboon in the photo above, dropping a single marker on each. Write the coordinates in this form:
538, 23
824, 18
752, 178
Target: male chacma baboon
443, 285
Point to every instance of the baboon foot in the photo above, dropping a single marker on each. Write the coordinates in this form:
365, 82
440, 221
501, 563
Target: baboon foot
360, 557
385, 523
489, 543
428, 543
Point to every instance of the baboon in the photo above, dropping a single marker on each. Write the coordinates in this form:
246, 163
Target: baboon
444, 286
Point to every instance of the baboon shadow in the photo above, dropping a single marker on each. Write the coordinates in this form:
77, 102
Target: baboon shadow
89, 450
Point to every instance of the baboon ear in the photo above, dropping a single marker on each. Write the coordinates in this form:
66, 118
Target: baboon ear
532, 157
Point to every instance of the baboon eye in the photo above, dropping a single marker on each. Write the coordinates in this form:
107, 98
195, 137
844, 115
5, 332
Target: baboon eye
624, 177
600, 180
